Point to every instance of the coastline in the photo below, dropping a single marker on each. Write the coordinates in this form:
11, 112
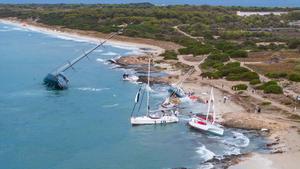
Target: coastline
145, 45
228, 112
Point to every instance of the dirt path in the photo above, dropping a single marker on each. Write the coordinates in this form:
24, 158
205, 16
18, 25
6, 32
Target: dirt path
198, 38
191, 63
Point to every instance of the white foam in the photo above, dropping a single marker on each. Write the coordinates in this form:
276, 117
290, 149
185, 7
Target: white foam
205, 153
238, 140
110, 105
98, 50
232, 151
92, 89
102, 61
110, 54
206, 166
134, 52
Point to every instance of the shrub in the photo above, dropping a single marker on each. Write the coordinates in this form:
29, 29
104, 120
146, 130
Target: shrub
222, 57
297, 67
196, 49
211, 64
294, 43
276, 75
275, 89
254, 81
238, 53
294, 77
212, 75
240, 87
169, 55
271, 87
261, 87
248, 76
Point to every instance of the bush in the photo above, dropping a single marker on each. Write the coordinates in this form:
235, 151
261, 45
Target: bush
254, 81
238, 53
271, 87
294, 77
248, 76
169, 55
293, 44
212, 75
276, 75
222, 57
211, 64
196, 49
240, 87
261, 87
275, 89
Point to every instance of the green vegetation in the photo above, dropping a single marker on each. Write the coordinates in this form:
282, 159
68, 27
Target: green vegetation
276, 75
240, 87
231, 71
294, 77
196, 49
255, 82
169, 55
219, 31
271, 87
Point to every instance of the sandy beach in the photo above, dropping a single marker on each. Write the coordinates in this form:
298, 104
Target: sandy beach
237, 112
148, 45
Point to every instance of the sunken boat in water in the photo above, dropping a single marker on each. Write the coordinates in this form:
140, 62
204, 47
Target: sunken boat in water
57, 80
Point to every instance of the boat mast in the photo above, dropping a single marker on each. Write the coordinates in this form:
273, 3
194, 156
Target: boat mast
213, 105
73, 62
148, 87
209, 104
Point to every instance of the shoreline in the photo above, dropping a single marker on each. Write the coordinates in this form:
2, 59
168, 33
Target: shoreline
142, 45
234, 110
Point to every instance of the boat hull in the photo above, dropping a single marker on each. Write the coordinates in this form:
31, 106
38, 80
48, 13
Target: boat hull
58, 82
146, 120
206, 126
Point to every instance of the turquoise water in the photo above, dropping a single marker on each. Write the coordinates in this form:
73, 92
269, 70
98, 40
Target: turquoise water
87, 126
268, 3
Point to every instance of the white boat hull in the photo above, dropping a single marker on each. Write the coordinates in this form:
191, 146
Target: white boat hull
144, 120
207, 126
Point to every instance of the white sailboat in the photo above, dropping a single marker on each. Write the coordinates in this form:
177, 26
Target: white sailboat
152, 117
206, 124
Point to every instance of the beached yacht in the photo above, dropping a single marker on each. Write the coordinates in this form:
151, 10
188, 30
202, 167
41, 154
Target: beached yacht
151, 117
205, 123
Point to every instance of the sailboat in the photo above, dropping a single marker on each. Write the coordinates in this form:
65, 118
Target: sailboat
151, 117
176, 93
205, 123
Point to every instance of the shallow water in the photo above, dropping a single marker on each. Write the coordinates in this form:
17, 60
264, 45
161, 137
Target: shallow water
87, 126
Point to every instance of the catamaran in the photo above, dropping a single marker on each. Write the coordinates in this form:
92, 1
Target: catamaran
151, 117
206, 123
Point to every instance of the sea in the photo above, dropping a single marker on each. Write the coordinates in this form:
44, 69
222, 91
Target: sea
87, 126
260, 3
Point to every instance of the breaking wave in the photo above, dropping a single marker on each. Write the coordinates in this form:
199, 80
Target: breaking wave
110, 105
238, 140
110, 54
205, 153
92, 89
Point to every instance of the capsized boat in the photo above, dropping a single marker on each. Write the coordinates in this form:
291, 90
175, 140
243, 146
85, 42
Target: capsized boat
151, 117
57, 80
207, 124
